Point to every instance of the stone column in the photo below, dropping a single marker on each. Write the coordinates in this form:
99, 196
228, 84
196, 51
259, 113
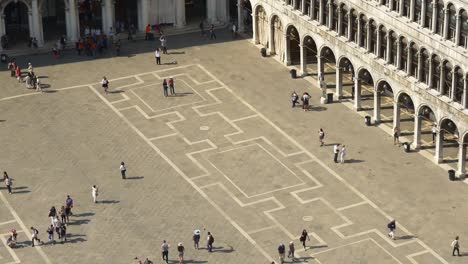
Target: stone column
431, 81
211, 11
439, 151
442, 79
105, 20
457, 30
312, 8
420, 67
350, 24
359, 32
2, 28
144, 13
434, 15
255, 38
423, 13
320, 70
37, 23
398, 55
453, 86
417, 132
379, 42
180, 13
409, 60
369, 36
390, 4
110, 14
303, 7
31, 24
340, 21
389, 47
446, 23
357, 94
240, 17
68, 22
321, 12
287, 54
303, 59
411, 11
294, 3
396, 114
330, 14
461, 158
377, 100
74, 21
339, 82
465, 93
400, 12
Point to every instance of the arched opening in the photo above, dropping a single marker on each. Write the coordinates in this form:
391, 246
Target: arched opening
435, 78
383, 43
262, 26
354, 26
16, 23
464, 29
126, 14
310, 49
362, 39
426, 122
316, 11
328, 62
428, 15
413, 63
383, 103
293, 42
347, 78
452, 22
463, 157
425, 67
393, 48
277, 36
195, 11
343, 31
405, 114
395, 5
247, 15
440, 17
406, 8
448, 142
404, 54
373, 37
459, 84
417, 11
365, 91
90, 16
53, 19
334, 22
447, 77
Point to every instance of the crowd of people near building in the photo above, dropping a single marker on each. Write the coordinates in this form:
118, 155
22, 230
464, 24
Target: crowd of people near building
30, 79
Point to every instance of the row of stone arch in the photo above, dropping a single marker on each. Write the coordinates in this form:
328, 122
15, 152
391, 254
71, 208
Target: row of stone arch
358, 83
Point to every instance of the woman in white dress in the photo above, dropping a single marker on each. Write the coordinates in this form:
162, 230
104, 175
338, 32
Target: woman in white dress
94, 193
343, 154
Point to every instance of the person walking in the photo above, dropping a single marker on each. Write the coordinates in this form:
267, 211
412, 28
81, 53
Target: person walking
50, 231
434, 133
123, 170
163, 41
234, 30
147, 32
157, 54
63, 233
321, 136
304, 237
291, 250
336, 151
18, 73
196, 238
209, 242
165, 251
117, 45
68, 207
94, 193
281, 253
391, 227
34, 236
57, 226
171, 86
456, 246
180, 250
305, 101
294, 98
63, 215
105, 84
52, 214
396, 136
165, 87
8, 181
343, 154
212, 32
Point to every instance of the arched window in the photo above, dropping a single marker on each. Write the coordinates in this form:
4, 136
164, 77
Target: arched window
298, 4
459, 84
417, 11
440, 18
373, 39
316, 9
435, 72
413, 69
404, 54
395, 5
383, 42
428, 15
452, 22
393, 48
344, 21
323, 15
334, 25
425, 67
448, 75
463, 29
406, 8
354, 25
362, 39
307, 8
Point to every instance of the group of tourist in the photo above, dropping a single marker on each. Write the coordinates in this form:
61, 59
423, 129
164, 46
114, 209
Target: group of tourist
31, 80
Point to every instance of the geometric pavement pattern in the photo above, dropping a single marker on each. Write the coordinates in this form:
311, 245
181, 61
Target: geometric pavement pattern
256, 176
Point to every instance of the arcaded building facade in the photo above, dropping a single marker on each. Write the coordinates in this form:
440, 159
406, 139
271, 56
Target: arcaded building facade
412, 53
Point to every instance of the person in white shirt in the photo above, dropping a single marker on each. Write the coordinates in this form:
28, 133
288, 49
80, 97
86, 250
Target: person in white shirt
94, 193
105, 84
434, 133
336, 151
157, 54
123, 170
343, 154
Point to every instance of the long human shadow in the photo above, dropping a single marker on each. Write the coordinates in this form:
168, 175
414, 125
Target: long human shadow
135, 178
229, 249
84, 214
108, 202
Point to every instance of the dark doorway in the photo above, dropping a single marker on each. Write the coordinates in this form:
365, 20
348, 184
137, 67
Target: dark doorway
195, 10
126, 13
90, 14
53, 19
16, 22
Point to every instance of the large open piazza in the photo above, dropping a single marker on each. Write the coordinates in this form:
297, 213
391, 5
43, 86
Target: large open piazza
226, 154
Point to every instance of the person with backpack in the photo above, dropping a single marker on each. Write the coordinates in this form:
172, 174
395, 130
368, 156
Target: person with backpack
391, 227
294, 98
34, 235
304, 237
196, 238
281, 251
50, 231
210, 241
105, 84
181, 249
291, 250
456, 247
